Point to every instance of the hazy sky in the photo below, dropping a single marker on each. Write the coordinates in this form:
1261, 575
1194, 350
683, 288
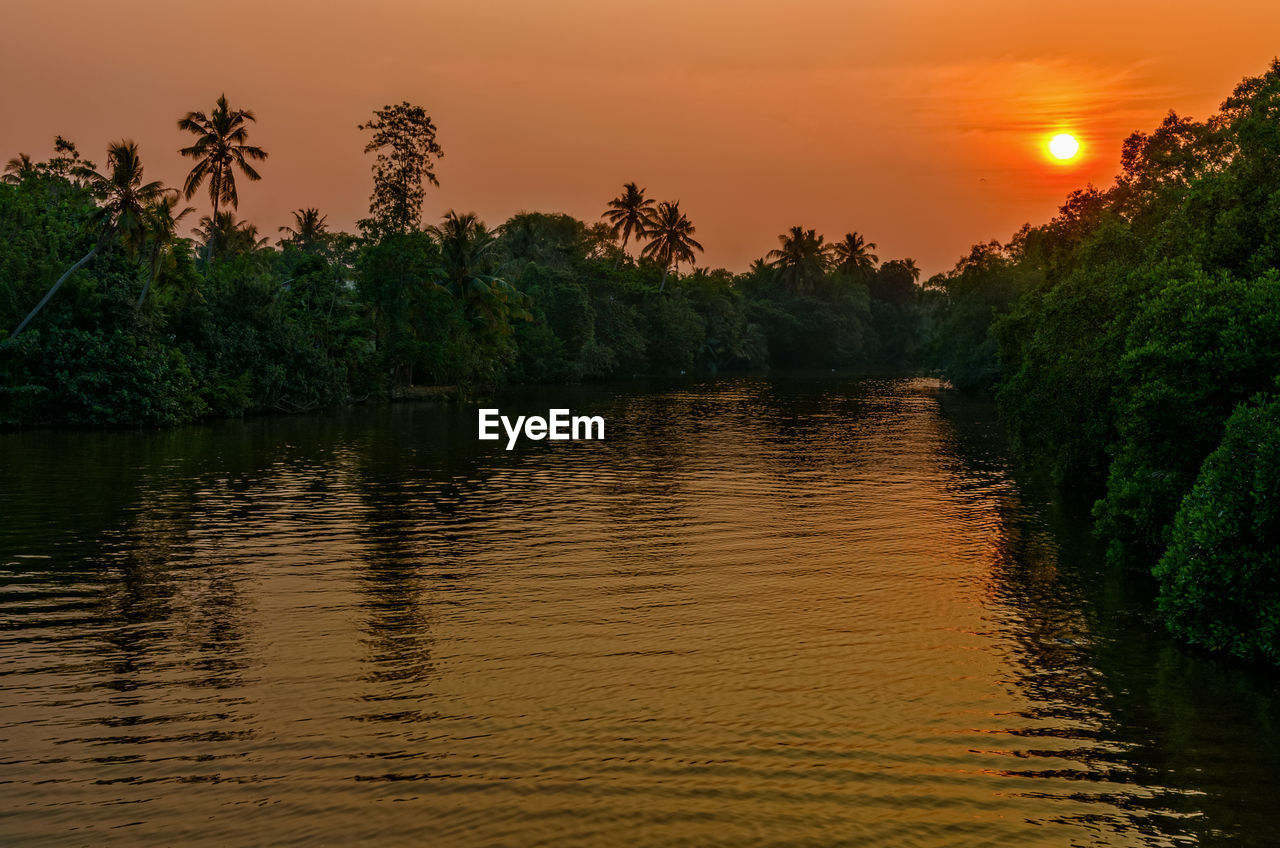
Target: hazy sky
919, 123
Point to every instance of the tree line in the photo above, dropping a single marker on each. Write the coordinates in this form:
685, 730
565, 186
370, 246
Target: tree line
114, 317
1133, 346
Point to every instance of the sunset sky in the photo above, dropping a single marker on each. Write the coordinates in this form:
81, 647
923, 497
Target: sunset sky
920, 123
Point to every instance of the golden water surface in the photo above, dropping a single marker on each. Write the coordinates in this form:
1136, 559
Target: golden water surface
764, 611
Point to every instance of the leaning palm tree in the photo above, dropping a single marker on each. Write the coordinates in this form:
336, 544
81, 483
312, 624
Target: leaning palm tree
670, 234
17, 169
124, 199
801, 258
310, 231
629, 214
220, 150
161, 232
853, 253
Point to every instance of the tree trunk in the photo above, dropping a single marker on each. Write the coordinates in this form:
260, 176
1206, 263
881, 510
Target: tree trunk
618, 261
665, 270
76, 267
208, 248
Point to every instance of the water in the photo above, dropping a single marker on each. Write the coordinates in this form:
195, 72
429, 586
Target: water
801, 611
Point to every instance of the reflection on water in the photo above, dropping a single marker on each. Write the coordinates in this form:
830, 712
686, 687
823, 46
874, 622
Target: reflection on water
763, 611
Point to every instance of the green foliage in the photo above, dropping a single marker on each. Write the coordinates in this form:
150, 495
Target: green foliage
225, 324
1126, 331
59, 378
1198, 347
1220, 577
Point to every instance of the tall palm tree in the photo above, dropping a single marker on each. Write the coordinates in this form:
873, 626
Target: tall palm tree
801, 258
629, 214
161, 231
670, 234
470, 255
220, 150
309, 231
17, 169
853, 253
124, 199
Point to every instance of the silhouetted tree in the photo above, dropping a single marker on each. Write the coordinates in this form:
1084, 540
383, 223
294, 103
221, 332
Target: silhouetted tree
630, 213
853, 254
310, 232
17, 169
670, 238
226, 237
800, 260
404, 138
161, 229
220, 149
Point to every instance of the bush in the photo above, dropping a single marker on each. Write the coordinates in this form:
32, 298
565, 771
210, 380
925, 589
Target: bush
1220, 578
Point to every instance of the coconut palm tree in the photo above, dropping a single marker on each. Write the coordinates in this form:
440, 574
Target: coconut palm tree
470, 255
122, 211
629, 214
224, 236
17, 169
161, 232
670, 234
310, 231
801, 258
853, 253
220, 150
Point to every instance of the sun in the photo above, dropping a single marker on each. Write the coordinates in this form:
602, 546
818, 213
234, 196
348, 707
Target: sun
1064, 147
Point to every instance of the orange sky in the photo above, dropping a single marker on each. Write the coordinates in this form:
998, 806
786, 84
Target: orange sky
917, 122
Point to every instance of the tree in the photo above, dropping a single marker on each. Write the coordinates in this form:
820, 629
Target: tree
670, 238
310, 232
800, 260
895, 282
161, 229
470, 258
404, 138
853, 253
220, 149
1220, 577
17, 169
224, 236
124, 199
630, 213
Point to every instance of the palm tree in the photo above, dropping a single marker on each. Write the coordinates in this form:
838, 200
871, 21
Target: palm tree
670, 234
470, 255
629, 213
225, 236
161, 231
219, 150
17, 169
853, 253
310, 230
801, 259
124, 200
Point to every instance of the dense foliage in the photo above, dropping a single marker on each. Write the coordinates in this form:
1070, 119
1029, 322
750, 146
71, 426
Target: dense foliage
132, 324
1220, 577
1119, 339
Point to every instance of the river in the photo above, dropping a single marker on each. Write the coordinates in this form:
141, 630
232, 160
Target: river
788, 610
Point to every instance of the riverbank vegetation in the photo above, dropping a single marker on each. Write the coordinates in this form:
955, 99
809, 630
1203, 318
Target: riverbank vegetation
1133, 344
114, 317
